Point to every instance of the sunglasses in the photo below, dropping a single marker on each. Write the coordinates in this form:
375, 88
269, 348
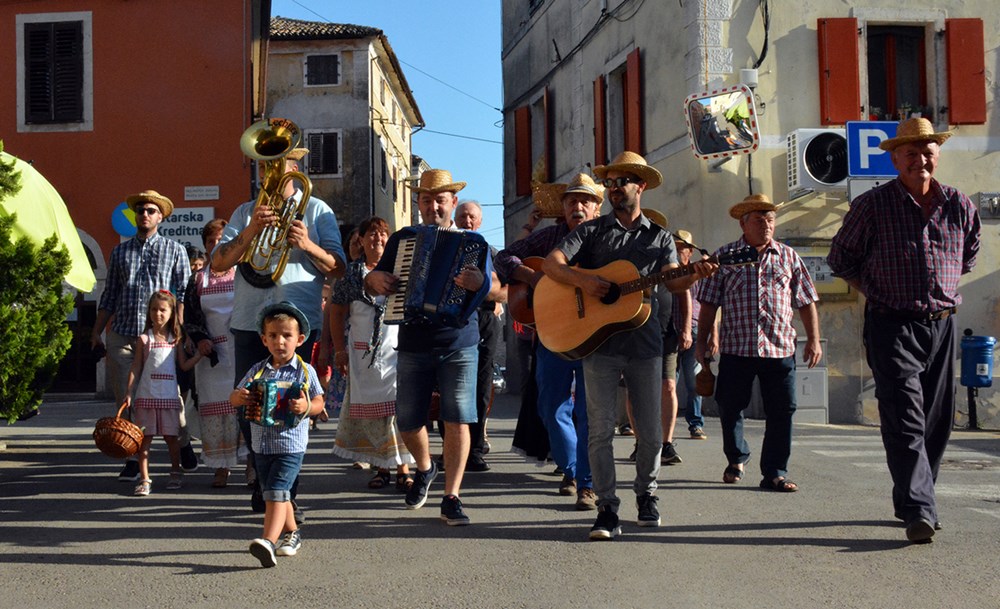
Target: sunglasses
619, 182
146, 210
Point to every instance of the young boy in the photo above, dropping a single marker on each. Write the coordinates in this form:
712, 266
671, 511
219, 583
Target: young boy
280, 449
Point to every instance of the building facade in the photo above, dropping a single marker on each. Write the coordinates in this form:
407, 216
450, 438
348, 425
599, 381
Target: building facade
344, 87
586, 79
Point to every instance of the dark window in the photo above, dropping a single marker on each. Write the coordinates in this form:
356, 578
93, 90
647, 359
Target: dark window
323, 70
324, 153
384, 177
897, 83
53, 72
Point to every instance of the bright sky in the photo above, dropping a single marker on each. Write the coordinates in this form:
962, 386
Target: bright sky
454, 41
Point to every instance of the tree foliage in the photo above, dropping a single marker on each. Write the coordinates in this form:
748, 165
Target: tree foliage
34, 335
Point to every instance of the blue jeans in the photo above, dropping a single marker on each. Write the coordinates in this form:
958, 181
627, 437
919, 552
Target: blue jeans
642, 377
777, 389
687, 369
557, 409
277, 474
453, 372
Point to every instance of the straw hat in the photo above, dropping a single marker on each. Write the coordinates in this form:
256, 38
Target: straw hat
685, 237
437, 180
752, 203
296, 154
914, 130
630, 162
584, 184
151, 196
655, 216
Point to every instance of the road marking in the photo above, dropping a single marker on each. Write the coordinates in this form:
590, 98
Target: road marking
971, 491
994, 512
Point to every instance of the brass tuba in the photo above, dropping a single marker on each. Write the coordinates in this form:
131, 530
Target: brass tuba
269, 141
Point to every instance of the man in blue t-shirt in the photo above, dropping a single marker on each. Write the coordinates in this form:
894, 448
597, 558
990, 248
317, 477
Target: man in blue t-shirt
432, 353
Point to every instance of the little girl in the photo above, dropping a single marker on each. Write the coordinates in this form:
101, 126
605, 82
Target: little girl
157, 398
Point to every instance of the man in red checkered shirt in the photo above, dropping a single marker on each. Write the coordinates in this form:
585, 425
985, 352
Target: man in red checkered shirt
756, 339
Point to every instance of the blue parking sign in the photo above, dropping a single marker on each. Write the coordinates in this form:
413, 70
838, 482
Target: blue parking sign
864, 157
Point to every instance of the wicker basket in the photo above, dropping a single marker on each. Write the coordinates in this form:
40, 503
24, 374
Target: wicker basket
117, 437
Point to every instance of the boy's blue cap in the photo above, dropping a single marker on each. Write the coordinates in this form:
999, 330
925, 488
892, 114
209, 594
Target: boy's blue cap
287, 308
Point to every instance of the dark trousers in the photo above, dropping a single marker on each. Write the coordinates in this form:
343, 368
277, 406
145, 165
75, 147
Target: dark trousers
489, 340
911, 362
777, 388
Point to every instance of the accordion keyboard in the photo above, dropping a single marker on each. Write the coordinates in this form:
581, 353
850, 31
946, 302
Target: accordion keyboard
394, 306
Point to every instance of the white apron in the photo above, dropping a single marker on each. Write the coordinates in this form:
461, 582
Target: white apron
158, 384
373, 388
215, 383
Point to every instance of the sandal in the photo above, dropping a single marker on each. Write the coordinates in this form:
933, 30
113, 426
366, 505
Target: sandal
142, 489
379, 480
176, 481
404, 482
732, 475
780, 485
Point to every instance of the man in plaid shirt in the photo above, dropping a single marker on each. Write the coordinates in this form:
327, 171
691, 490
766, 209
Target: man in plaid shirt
757, 339
904, 245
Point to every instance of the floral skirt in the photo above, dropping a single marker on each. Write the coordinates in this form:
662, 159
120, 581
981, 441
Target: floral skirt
220, 437
373, 440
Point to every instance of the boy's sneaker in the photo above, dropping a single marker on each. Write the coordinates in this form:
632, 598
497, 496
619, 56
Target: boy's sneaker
606, 526
416, 497
289, 544
263, 550
452, 513
649, 516
669, 456
698, 434
129, 473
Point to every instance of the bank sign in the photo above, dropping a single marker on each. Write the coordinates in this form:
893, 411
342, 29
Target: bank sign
183, 225
864, 157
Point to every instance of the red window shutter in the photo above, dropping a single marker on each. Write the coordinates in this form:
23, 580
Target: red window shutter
966, 71
522, 151
549, 152
600, 124
633, 103
839, 82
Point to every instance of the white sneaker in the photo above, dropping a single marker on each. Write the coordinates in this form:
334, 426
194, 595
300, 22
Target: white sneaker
263, 550
289, 544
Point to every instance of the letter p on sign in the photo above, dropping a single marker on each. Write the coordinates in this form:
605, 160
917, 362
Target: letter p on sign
864, 157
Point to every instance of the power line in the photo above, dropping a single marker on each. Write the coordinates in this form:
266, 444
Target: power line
464, 137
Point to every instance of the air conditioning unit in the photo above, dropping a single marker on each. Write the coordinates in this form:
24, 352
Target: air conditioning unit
817, 161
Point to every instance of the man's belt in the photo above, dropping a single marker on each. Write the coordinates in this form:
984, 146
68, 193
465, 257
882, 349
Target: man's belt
912, 315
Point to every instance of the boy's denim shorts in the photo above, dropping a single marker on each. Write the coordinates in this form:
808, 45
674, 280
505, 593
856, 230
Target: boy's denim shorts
277, 473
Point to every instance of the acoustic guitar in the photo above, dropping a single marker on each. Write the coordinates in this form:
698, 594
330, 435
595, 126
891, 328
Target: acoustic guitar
574, 324
520, 295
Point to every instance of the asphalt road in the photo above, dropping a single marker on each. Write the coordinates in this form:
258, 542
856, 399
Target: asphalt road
74, 537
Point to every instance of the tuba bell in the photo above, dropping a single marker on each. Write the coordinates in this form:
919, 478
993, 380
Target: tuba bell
268, 142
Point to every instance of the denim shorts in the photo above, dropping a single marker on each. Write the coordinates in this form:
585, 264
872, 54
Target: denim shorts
454, 373
277, 474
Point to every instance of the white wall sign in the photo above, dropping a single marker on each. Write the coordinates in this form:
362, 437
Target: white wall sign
185, 224
201, 193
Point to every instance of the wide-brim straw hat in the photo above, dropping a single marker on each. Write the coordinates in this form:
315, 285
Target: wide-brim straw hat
630, 162
437, 180
914, 130
548, 198
655, 216
685, 237
296, 154
584, 184
151, 196
752, 203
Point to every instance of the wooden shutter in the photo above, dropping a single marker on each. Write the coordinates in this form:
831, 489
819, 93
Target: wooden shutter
549, 141
966, 71
600, 124
53, 72
839, 81
633, 103
522, 151
323, 154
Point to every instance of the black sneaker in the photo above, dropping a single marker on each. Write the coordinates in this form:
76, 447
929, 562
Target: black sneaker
129, 473
289, 544
476, 463
417, 495
189, 460
649, 516
669, 456
606, 526
452, 513
263, 550
257, 503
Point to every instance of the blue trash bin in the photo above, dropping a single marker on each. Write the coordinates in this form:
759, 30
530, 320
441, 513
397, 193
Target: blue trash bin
977, 361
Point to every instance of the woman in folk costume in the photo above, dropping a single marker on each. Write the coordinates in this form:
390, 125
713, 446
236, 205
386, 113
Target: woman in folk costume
367, 431
208, 305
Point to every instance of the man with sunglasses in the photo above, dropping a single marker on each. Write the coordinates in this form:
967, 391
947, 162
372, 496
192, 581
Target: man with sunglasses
144, 264
624, 234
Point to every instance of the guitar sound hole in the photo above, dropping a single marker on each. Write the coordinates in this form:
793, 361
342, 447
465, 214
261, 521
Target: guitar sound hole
614, 293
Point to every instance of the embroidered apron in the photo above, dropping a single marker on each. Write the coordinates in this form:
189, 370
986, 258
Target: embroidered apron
215, 383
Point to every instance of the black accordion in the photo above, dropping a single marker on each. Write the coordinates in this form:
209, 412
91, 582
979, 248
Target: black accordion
427, 262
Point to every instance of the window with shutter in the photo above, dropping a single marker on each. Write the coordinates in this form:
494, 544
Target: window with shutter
324, 153
322, 69
522, 151
53, 62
